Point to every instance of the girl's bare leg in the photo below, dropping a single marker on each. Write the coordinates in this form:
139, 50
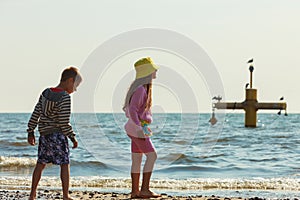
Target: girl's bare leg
147, 172
135, 173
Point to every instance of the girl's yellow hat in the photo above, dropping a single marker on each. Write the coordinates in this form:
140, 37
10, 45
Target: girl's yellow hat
144, 67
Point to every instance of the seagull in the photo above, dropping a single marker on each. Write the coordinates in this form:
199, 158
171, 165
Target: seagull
279, 113
250, 61
218, 98
281, 98
246, 86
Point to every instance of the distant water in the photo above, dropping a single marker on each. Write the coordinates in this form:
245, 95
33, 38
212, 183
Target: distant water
193, 156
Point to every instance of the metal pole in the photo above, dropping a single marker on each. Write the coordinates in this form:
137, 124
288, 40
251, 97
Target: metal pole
251, 68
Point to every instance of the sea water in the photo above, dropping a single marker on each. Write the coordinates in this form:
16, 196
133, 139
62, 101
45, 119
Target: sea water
194, 157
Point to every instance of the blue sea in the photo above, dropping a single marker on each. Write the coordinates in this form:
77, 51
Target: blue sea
194, 157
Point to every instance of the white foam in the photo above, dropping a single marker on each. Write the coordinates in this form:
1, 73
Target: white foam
283, 184
16, 162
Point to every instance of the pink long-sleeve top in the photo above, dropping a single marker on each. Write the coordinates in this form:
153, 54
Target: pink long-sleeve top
136, 109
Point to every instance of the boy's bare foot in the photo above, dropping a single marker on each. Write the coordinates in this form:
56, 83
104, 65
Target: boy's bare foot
68, 198
149, 194
32, 197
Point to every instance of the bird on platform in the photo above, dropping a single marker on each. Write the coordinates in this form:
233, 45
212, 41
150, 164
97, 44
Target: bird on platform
250, 61
218, 98
246, 86
281, 98
279, 113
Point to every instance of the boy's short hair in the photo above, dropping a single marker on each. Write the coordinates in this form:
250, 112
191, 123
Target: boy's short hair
70, 72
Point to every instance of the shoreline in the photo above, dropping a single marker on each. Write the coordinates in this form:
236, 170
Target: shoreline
12, 187
93, 195
7, 194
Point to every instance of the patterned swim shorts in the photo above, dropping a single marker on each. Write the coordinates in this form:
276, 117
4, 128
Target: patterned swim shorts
53, 148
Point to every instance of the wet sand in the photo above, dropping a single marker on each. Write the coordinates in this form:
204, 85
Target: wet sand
82, 195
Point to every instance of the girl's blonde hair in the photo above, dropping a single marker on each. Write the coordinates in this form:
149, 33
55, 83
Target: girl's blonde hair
145, 81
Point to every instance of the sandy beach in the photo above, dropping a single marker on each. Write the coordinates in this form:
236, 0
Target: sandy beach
57, 194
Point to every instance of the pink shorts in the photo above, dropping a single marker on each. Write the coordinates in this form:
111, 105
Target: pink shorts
141, 146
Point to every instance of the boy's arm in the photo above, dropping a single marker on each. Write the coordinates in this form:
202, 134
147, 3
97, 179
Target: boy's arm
64, 118
33, 121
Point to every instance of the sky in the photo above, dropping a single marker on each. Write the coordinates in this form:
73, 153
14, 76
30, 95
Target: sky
38, 39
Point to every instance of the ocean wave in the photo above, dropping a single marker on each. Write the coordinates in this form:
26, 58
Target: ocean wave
260, 159
6, 143
280, 184
6, 162
88, 164
178, 168
6, 131
22, 138
19, 144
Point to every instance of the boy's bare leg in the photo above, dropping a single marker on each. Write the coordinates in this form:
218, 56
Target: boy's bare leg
36, 177
65, 180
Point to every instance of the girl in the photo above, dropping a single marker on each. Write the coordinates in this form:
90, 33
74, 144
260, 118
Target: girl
138, 111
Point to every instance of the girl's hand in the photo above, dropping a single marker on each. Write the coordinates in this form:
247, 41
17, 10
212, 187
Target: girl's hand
141, 134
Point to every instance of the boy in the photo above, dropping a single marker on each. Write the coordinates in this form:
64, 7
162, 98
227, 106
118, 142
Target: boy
52, 115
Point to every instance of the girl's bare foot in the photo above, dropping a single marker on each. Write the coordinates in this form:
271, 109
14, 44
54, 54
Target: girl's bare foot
149, 194
135, 195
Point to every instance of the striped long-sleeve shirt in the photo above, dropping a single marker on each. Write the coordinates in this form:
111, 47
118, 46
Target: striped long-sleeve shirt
51, 114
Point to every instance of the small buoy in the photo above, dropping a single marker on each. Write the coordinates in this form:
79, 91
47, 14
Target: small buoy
213, 119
